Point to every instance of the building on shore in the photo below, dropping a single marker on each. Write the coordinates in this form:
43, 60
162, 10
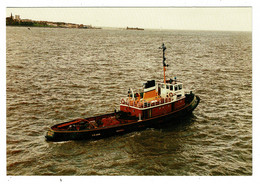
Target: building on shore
9, 20
134, 28
17, 17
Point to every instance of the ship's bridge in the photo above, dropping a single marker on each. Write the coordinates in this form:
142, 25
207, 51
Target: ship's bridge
170, 89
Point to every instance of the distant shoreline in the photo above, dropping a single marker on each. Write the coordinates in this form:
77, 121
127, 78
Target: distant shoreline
134, 28
49, 27
17, 21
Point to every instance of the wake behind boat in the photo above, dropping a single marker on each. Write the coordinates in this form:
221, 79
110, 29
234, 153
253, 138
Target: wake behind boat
155, 104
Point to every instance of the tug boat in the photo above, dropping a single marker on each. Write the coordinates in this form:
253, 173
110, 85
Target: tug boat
156, 104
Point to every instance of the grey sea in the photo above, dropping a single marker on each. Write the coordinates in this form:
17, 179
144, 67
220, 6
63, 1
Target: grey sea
57, 75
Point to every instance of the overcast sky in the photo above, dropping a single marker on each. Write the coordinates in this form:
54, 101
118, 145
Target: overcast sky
227, 19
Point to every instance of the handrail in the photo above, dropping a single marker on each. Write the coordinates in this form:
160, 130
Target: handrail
145, 104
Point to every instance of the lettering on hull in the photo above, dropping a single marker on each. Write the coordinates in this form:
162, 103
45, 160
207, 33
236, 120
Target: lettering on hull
95, 135
120, 130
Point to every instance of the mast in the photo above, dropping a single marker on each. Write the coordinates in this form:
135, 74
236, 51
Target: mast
164, 64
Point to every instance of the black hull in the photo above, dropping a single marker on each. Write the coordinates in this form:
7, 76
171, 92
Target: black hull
99, 133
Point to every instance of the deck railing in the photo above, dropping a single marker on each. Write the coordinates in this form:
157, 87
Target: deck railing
145, 104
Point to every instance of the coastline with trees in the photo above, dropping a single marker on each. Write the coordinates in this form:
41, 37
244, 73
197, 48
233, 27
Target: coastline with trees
17, 21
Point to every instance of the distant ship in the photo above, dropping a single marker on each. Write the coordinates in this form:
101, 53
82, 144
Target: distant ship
157, 104
136, 28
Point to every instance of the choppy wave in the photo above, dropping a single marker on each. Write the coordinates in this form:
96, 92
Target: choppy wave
55, 75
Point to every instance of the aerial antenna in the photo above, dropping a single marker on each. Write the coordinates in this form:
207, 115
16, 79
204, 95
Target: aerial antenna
164, 64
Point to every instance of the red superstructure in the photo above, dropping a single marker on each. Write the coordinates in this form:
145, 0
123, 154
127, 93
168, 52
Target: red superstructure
155, 100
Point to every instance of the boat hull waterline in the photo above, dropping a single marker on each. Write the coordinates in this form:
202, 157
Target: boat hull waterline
119, 129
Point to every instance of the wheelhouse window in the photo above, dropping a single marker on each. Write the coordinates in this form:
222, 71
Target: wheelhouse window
171, 87
167, 86
176, 88
180, 86
163, 86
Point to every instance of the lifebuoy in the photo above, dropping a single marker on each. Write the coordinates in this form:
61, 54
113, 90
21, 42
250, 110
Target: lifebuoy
140, 104
122, 101
171, 94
